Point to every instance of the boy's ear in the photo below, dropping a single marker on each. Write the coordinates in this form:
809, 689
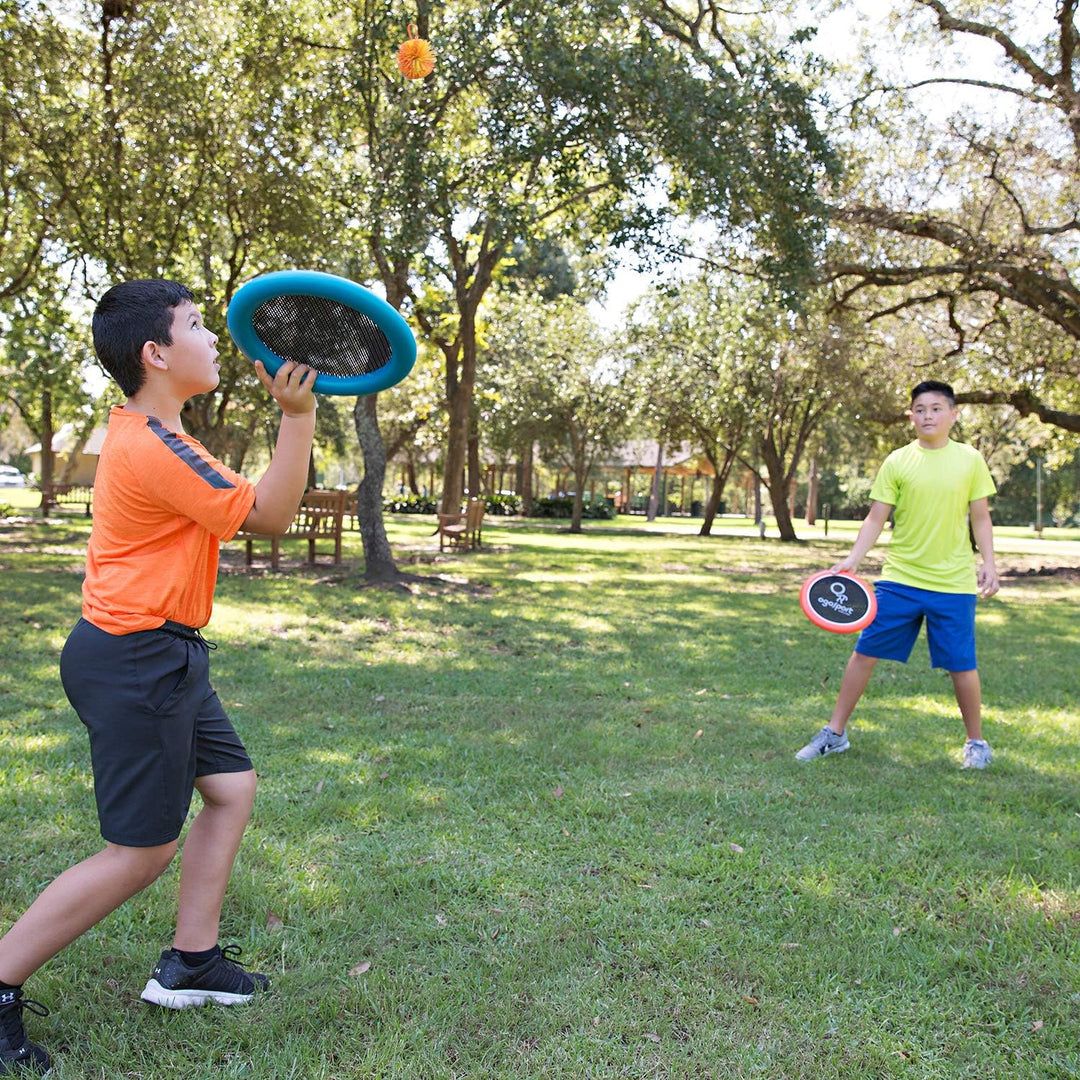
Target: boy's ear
152, 357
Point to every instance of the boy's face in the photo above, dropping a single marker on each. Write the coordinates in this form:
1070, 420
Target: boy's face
933, 416
192, 356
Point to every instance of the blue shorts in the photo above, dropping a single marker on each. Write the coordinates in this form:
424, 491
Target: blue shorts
155, 724
950, 626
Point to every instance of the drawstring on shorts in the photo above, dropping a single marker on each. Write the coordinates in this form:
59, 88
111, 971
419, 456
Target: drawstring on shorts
188, 633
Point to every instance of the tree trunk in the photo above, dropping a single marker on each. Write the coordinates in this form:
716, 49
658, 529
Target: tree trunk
581, 474
812, 493
456, 446
46, 434
778, 490
654, 493
474, 465
460, 383
525, 489
378, 558
576, 513
712, 507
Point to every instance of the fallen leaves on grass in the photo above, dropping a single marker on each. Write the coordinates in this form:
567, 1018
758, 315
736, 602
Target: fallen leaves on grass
274, 922
363, 966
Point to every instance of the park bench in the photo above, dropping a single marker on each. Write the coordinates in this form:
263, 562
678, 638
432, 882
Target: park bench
461, 531
319, 518
78, 497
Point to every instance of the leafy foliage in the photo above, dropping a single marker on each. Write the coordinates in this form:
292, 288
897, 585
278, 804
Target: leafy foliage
962, 217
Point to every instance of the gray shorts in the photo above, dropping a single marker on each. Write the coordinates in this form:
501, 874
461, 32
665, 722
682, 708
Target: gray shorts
155, 724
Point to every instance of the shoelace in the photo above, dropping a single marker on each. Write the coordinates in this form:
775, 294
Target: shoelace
230, 955
11, 1025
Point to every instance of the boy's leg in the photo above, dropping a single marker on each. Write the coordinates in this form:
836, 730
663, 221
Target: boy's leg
856, 678
831, 738
969, 697
209, 852
889, 637
77, 900
196, 970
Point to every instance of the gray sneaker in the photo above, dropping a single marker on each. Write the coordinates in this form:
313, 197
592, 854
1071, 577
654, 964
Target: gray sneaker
977, 754
826, 741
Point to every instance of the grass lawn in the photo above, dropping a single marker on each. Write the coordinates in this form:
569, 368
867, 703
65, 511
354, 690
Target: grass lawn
539, 816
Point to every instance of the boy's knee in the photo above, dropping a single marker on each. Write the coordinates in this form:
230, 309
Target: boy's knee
234, 791
142, 866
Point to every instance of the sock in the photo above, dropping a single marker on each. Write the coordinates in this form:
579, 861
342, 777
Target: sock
10, 986
197, 959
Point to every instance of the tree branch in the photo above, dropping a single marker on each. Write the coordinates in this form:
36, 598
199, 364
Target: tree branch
1025, 403
1021, 57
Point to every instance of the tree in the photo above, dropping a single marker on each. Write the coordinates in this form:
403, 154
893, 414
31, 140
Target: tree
682, 342
538, 124
969, 223
175, 140
557, 384
42, 362
27, 203
794, 371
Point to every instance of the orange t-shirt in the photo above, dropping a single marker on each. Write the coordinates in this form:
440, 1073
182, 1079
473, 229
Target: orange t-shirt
161, 505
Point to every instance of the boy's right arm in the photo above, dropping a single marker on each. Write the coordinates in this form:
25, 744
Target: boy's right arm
871, 528
278, 493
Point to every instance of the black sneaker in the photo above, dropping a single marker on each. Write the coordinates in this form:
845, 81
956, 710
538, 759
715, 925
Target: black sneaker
177, 986
17, 1052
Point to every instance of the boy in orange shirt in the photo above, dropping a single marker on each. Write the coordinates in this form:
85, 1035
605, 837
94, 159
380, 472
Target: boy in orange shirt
136, 668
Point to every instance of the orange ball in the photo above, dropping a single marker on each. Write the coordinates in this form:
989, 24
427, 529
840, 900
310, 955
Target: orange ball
415, 57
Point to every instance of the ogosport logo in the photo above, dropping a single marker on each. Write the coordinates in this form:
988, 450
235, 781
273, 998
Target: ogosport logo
840, 599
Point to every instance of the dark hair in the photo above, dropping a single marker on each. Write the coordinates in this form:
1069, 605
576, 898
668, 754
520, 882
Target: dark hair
932, 387
129, 315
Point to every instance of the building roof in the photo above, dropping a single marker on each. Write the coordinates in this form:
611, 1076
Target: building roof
640, 455
65, 438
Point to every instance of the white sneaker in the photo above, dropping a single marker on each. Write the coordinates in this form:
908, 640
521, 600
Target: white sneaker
826, 741
977, 754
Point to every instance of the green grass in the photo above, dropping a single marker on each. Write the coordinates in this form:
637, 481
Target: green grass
549, 796
20, 499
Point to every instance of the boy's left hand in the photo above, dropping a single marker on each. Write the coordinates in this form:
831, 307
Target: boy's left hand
986, 578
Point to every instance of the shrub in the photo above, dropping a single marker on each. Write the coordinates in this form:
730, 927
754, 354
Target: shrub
502, 504
410, 504
562, 506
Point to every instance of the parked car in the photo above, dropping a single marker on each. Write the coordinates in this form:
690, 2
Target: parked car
11, 477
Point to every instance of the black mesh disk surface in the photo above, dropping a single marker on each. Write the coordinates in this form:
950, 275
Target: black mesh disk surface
326, 335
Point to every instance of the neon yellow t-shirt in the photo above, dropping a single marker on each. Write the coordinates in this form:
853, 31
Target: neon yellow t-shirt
931, 491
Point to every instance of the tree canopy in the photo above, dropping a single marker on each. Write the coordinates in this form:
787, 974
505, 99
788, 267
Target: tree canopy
963, 214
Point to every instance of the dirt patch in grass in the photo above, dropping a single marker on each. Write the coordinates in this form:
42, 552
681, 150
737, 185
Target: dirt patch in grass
1059, 573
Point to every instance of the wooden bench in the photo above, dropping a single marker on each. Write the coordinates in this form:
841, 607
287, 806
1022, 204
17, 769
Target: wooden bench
74, 496
461, 532
474, 519
320, 517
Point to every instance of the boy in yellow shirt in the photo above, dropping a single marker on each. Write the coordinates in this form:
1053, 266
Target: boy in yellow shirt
934, 486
